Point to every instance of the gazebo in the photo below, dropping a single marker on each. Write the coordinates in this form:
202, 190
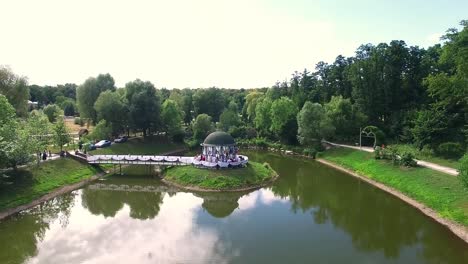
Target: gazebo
219, 150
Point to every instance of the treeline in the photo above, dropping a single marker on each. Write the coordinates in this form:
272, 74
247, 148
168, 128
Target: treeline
408, 94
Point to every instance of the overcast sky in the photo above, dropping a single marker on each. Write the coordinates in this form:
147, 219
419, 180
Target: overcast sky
203, 43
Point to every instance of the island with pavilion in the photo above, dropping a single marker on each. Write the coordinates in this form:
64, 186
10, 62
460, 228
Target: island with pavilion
220, 167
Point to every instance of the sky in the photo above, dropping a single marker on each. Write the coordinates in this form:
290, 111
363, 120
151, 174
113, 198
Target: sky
205, 43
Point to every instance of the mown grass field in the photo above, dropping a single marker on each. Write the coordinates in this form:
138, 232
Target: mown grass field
222, 179
442, 192
147, 146
26, 184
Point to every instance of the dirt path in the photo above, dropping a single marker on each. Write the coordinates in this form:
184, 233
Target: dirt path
422, 163
456, 228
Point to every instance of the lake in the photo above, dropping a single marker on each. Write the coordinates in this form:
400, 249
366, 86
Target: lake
311, 214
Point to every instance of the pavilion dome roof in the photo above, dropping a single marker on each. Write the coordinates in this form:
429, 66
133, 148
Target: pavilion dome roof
219, 138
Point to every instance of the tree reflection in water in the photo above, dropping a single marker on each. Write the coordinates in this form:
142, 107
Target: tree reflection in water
21, 233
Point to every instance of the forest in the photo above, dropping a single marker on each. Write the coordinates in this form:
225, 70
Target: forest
409, 95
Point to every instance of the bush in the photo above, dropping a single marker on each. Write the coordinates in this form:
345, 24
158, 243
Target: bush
407, 159
450, 150
79, 121
463, 170
311, 152
260, 142
193, 144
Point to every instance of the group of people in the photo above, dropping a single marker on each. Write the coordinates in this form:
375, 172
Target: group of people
218, 158
44, 154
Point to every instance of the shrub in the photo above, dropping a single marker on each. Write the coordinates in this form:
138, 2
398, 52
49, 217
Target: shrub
193, 144
311, 152
451, 150
463, 170
407, 159
79, 121
260, 142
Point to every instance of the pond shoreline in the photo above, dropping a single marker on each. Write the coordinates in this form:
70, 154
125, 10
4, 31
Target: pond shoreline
199, 189
456, 228
61, 190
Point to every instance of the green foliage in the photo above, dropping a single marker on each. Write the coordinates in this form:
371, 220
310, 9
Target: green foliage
407, 160
223, 179
102, 130
450, 150
38, 128
311, 152
144, 106
79, 121
250, 105
209, 101
202, 126
283, 119
111, 106
150, 145
263, 115
172, 119
429, 127
68, 106
89, 91
61, 134
345, 117
15, 89
229, 118
53, 112
463, 170
314, 124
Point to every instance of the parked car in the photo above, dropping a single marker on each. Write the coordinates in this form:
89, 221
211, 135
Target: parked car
103, 144
121, 139
89, 146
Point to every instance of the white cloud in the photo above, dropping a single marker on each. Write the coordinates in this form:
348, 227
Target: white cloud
171, 43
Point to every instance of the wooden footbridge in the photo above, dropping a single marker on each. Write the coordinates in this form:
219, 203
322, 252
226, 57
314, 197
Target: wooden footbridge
162, 160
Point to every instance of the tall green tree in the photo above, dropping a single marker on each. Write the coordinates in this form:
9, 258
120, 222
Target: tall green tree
89, 91
229, 118
52, 112
345, 117
144, 106
15, 89
61, 134
209, 101
172, 119
202, 126
283, 119
111, 107
313, 123
39, 129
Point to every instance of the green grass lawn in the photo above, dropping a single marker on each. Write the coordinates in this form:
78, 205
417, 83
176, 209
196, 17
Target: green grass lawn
222, 179
401, 148
26, 184
442, 192
148, 146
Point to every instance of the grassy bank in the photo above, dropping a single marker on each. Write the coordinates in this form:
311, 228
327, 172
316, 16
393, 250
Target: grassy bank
26, 184
147, 146
254, 174
441, 192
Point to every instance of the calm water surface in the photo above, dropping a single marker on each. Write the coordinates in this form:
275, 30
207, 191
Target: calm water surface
312, 214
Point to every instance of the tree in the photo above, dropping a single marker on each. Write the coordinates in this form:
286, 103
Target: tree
202, 126
313, 124
110, 106
61, 134
144, 105
39, 129
68, 106
345, 117
430, 126
250, 105
8, 127
52, 112
102, 130
89, 91
15, 89
229, 118
209, 101
262, 119
172, 119
283, 119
